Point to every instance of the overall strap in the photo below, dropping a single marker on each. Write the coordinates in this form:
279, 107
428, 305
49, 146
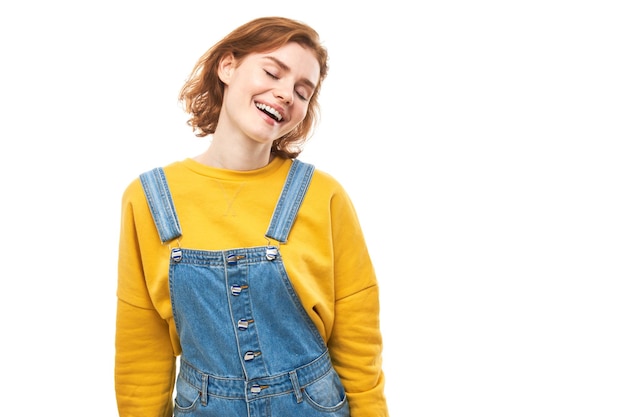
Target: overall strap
293, 192
161, 205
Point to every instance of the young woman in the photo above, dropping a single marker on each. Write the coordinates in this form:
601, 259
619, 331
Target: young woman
246, 263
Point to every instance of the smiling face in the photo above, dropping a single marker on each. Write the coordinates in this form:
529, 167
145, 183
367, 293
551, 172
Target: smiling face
266, 95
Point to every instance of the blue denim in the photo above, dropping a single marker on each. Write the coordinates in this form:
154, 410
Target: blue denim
161, 205
248, 346
296, 185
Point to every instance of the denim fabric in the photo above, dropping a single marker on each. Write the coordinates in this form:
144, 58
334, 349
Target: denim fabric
161, 205
248, 346
295, 188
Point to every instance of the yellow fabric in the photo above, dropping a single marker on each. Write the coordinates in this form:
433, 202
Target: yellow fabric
325, 256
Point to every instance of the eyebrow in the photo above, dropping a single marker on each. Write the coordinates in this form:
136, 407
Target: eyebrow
286, 67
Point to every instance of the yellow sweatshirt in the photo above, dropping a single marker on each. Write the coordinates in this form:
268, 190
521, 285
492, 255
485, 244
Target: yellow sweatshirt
325, 256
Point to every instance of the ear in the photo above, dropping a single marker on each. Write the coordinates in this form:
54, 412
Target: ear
226, 67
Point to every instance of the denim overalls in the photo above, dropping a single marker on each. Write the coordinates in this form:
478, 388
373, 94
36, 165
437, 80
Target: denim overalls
248, 346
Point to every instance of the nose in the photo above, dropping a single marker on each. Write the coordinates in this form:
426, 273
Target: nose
284, 93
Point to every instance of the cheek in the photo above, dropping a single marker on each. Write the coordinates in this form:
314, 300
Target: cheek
247, 84
299, 112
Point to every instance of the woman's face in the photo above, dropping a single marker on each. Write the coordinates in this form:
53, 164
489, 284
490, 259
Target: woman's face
267, 94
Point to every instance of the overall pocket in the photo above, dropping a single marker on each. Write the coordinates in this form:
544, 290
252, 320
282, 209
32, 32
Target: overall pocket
187, 396
327, 393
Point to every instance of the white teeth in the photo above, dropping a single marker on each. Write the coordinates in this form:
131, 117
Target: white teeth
270, 110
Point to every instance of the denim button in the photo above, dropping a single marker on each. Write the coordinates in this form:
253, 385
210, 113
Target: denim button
256, 388
242, 324
236, 289
249, 355
232, 259
177, 254
271, 252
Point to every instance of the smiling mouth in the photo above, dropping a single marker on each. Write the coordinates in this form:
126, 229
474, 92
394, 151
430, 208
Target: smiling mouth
270, 111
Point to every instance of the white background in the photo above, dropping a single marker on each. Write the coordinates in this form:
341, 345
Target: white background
481, 141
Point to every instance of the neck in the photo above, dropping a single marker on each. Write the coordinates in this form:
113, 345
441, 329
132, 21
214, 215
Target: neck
221, 154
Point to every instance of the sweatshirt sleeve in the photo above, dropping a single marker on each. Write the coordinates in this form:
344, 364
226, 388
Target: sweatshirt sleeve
144, 358
356, 341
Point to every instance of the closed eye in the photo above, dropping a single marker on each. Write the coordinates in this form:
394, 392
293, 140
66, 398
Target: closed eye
302, 96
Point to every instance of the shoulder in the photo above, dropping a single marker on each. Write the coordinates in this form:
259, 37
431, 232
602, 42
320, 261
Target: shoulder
322, 181
134, 190
325, 189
